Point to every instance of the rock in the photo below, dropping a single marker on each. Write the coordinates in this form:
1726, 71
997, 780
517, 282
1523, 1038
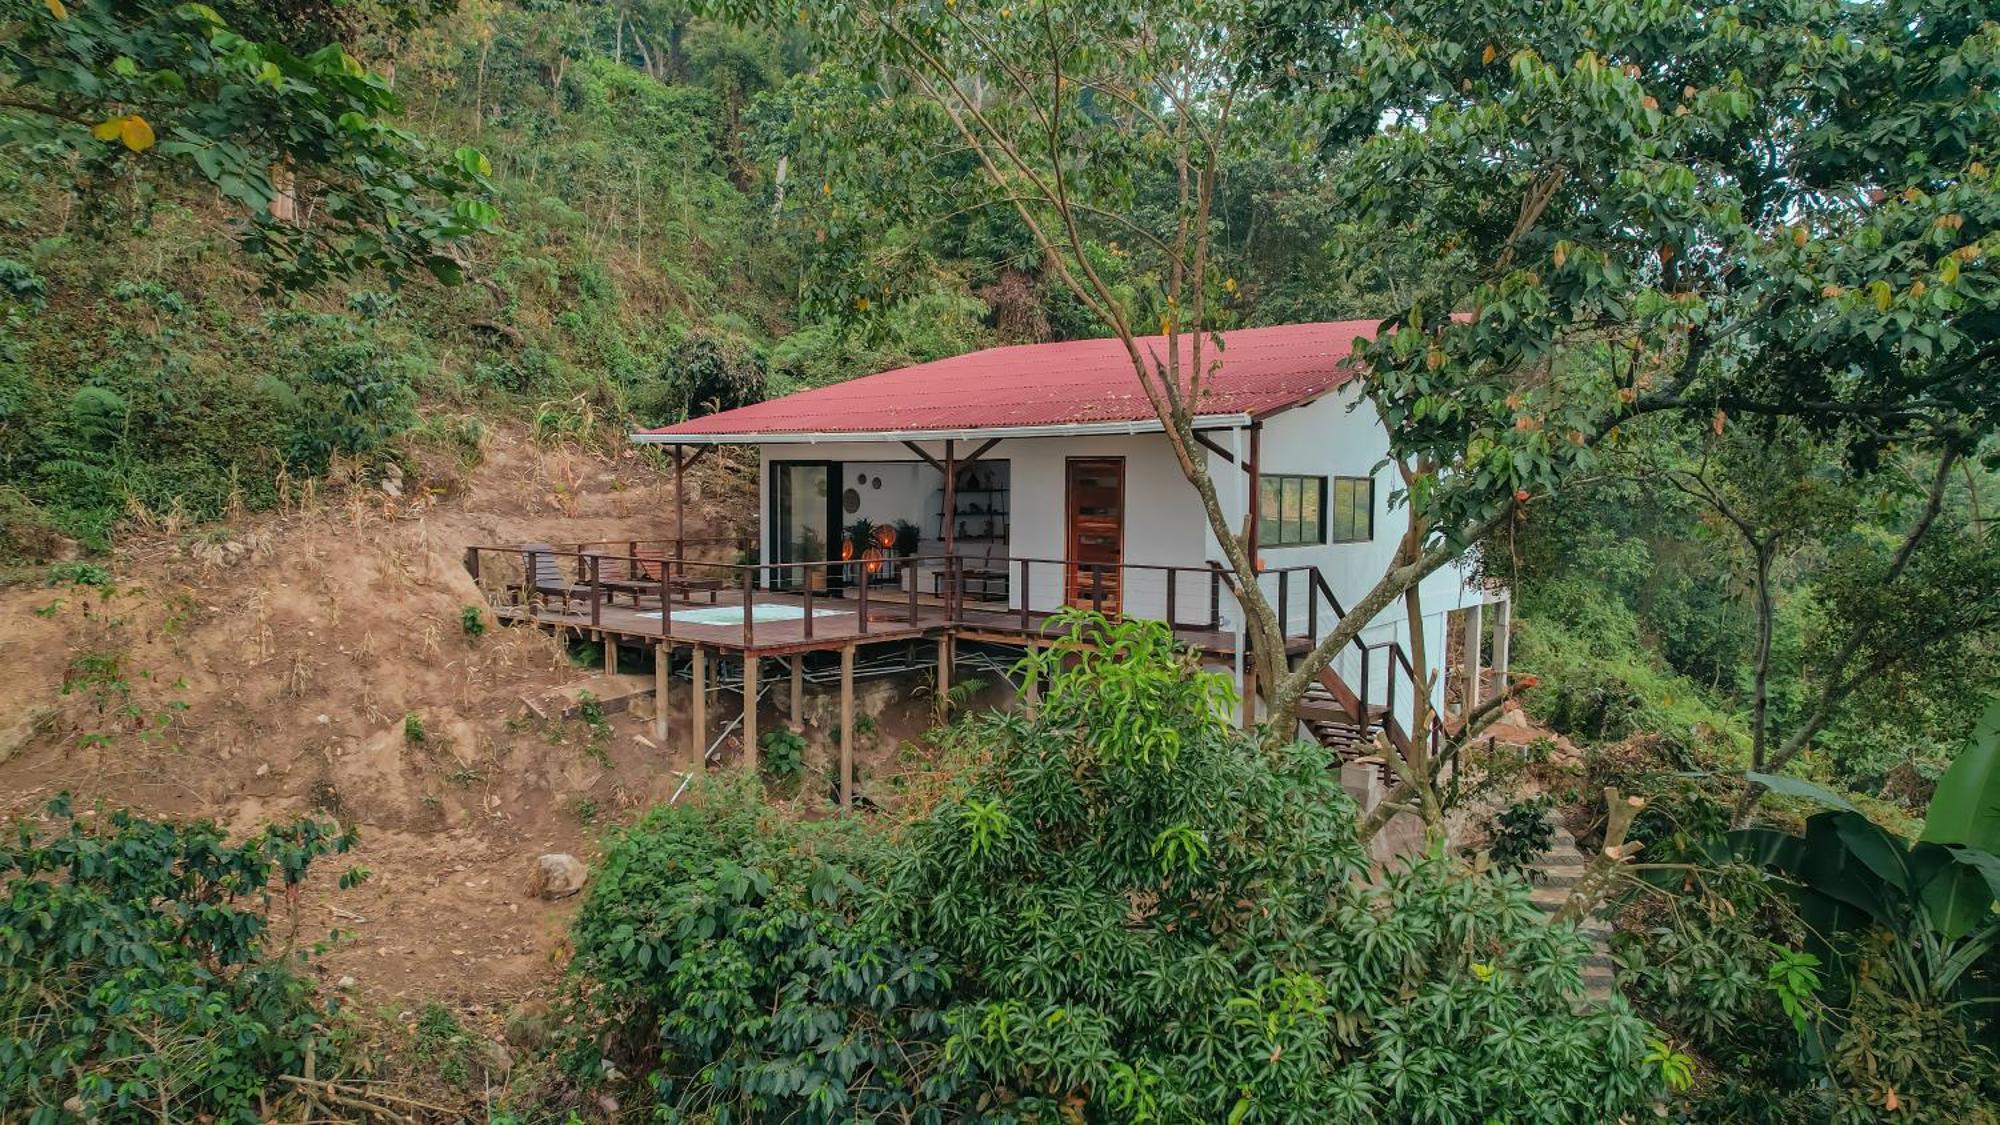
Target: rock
345, 983
529, 1025
495, 1057
557, 875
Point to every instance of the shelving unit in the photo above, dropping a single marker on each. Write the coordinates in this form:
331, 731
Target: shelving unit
980, 514
979, 518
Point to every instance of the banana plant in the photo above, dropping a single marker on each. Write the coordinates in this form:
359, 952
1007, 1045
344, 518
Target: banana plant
1936, 897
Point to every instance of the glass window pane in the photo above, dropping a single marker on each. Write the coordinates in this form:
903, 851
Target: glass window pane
1289, 515
1311, 504
1267, 510
1343, 509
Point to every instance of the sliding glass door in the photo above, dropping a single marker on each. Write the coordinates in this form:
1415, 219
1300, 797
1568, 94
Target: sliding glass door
803, 512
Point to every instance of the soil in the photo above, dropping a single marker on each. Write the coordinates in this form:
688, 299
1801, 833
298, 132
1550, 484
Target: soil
267, 669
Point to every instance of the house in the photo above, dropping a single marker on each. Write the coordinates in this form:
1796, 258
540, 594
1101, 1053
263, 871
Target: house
997, 487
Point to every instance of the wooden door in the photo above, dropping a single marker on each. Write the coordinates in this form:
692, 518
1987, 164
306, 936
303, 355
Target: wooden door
1096, 533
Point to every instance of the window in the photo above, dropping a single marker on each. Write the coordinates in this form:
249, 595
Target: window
1353, 509
1291, 511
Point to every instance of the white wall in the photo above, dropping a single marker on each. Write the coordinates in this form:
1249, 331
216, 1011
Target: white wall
1164, 522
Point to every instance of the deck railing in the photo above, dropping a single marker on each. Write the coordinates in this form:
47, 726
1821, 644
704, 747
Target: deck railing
574, 583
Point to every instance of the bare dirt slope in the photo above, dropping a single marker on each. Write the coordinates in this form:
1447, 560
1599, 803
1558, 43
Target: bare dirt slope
266, 670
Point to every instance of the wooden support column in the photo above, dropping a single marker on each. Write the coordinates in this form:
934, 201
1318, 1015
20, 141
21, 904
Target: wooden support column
610, 654
950, 535
698, 720
1252, 464
943, 668
750, 670
1503, 638
1473, 630
680, 516
798, 707
1031, 692
847, 727
1247, 706
663, 655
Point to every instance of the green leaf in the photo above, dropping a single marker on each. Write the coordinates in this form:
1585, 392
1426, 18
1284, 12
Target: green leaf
1966, 806
1805, 790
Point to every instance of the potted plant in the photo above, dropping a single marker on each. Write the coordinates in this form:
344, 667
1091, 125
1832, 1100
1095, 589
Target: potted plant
909, 540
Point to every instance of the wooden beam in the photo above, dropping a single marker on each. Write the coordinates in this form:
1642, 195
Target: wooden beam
943, 669
847, 727
750, 671
797, 711
980, 452
698, 720
693, 459
919, 451
1209, 444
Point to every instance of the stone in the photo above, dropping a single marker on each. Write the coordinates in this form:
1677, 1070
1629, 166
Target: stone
557, 875
529, 1026
345, 983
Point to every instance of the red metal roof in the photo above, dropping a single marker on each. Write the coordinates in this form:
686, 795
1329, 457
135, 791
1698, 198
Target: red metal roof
1073, 383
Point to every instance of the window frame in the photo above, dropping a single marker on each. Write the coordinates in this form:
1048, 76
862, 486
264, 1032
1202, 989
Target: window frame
1367, 527
1277, 481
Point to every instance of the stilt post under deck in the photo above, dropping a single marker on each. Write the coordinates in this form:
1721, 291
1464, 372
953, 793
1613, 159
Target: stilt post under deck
847, 727
1473, 631
750, 670
663, 656
943, 669
1032, 690
698, 720
797, 711
1503, 641
1247, 706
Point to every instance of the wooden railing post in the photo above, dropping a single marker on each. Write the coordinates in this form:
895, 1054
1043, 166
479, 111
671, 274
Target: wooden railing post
861, 613
1312, 607
1366, 661
910, 577
749, 596
1214, 596
1027, 622
472, 563
596, 591
805, 579
1284, 603
1173, 574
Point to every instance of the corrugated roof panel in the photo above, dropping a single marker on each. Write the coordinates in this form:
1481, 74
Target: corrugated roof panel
1074, 382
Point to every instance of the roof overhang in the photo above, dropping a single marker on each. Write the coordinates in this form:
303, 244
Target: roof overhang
1065, 429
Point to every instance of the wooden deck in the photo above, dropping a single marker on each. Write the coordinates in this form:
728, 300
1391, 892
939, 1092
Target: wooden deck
835, 625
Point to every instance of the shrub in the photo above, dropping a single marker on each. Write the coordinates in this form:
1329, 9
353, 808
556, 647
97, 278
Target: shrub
1520, 834
1122, 909
784, 753
135, 974
729, 956
413, 728
472, 619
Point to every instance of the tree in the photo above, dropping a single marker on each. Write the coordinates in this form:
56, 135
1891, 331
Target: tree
1670, 210
298, 139
1070, 926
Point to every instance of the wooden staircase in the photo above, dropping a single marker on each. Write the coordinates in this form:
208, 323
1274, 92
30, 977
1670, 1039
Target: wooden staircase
1339, 722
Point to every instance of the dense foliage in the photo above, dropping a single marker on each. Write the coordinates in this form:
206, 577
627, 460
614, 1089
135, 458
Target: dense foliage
1078, 928
139, 979
264, 105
